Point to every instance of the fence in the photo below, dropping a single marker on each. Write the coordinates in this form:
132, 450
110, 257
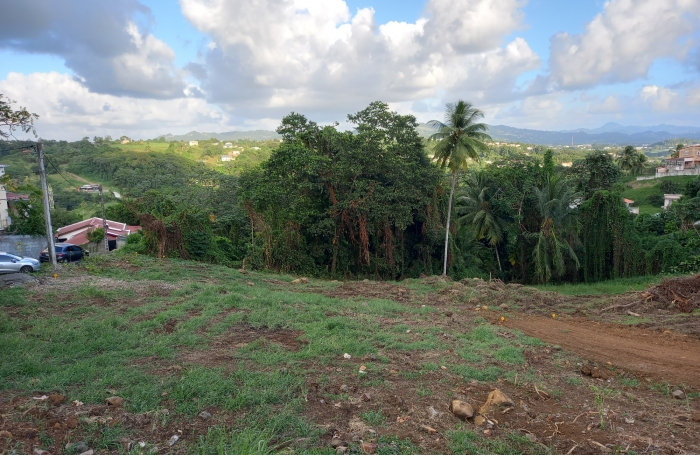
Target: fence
23, 245
670, 173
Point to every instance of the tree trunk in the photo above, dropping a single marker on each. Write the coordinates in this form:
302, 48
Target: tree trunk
449, 218
498, 258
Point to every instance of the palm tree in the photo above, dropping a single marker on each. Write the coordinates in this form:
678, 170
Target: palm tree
479, 214
639, 164
558, 232
627, 158
460, 139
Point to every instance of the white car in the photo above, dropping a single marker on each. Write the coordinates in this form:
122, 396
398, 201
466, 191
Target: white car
10, 263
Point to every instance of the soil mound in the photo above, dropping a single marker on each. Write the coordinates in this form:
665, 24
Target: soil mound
682, 293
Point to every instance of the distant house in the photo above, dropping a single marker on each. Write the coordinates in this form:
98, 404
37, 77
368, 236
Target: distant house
126, 141
214, 143
194, 143
669, 198
688, 158
228, 145
226, 158
77, 233
90, 188
235, 153
628, 203
255, 148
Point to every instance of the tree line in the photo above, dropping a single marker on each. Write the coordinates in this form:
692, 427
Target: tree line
379, 201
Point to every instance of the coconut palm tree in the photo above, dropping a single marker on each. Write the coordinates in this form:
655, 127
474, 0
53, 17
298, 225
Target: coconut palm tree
479, 214
558, 233
459, 140
627, 158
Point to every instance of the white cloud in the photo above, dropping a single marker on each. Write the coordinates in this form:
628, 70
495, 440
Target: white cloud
608, 105
621, 43
68, 110
660, 98
314, 56
99, 41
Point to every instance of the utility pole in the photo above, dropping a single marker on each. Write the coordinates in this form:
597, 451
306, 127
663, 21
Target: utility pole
47, 207
104, 220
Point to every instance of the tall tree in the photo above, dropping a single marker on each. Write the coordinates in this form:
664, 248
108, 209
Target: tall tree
480, 215
460, 138
627, 158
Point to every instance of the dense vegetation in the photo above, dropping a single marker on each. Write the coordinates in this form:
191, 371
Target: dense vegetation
372, 203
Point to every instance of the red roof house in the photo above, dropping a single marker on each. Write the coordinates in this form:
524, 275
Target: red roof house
76, 233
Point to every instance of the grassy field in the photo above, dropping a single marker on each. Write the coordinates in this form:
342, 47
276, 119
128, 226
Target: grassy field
639, 191
265, 358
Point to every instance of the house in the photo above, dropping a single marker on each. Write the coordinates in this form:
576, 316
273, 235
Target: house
628, 203
89, 188
255, 148
688, 158
77, 233
228, 145
226, 158
235, 153
669, 198
194, 143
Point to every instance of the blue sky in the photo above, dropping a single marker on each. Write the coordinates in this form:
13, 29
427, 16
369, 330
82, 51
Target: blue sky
148, 67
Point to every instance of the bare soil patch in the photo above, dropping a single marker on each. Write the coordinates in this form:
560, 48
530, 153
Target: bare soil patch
221, 348
664, 356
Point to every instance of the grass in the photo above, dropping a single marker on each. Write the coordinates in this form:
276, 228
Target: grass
256, 356
639, 191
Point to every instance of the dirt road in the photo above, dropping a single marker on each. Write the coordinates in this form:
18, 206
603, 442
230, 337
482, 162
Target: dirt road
664, 356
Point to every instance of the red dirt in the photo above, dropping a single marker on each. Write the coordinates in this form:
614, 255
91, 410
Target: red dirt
664, 355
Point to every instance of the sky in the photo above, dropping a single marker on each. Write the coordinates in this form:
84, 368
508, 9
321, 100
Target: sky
143, 68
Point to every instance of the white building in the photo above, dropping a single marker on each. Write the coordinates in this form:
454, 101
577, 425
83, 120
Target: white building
4, 211
226, 158
194, 143
228, 145
669, 198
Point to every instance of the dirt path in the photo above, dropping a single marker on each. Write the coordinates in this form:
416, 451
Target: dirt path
663, 356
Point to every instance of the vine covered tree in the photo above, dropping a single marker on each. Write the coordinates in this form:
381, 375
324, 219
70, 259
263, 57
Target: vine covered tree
460, 138
558, 231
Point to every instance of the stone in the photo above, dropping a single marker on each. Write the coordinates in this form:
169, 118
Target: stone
38, 451
695, 417
115, 401
250, 283
78, 447
344, 388
5, 434
335, 442
503, 306
531, 437
341, 449
204, 415
366, 397
487, 432
495, 401
56, 399
595, 372
88, 452
678, 394
461, 409
368, 447
173, 440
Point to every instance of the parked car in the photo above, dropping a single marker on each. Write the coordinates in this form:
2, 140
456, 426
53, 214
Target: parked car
10, 263
65, 252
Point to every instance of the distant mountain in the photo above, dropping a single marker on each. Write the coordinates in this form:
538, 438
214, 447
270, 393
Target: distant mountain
255, 135
608, 134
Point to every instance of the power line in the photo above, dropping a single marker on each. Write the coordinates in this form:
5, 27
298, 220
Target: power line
59, 173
